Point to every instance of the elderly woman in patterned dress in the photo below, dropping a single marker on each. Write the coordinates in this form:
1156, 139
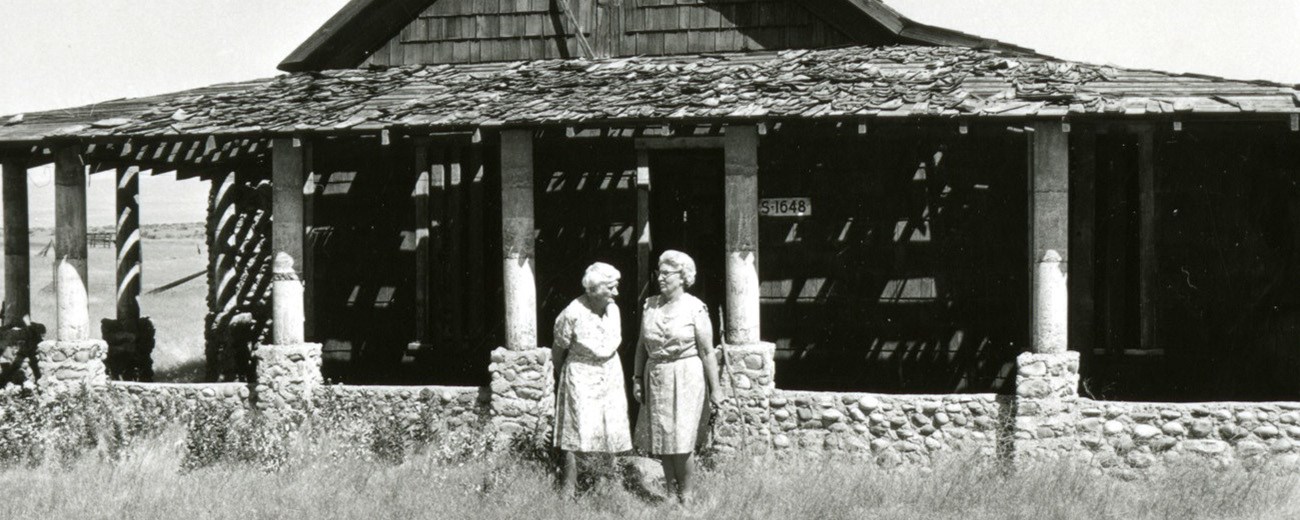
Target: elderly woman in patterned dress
675, 371
591, 406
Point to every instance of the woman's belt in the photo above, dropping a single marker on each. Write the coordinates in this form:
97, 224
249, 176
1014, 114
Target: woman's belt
669, 358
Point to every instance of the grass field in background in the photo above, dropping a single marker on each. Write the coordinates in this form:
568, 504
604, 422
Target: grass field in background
170, 252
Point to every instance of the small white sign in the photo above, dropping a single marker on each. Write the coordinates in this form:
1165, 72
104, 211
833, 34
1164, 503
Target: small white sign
785, 207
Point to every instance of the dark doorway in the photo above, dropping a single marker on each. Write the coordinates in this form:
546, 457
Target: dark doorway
686, 214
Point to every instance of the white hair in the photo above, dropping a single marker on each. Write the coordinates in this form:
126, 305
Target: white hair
599, 273
681, 262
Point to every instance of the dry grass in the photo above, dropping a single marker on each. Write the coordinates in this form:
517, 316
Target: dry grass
177, 313
145, 483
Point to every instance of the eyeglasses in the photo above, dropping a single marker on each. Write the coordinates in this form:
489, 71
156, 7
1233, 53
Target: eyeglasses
663, 273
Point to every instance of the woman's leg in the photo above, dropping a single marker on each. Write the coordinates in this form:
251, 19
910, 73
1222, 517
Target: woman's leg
569, 478
670, 474
685, 471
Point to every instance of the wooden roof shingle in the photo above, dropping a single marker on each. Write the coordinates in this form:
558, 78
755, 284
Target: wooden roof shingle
850, 82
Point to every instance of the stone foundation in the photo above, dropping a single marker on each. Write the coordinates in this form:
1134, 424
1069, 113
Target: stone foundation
747, 377
523, 392
1047, 387
287, 375
67, 365
1045, 422
130, 348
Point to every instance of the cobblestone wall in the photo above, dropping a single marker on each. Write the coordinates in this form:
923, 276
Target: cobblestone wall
287, 375
891, 429
459, 406
66, 365
173, 399
1125, 437
523, 392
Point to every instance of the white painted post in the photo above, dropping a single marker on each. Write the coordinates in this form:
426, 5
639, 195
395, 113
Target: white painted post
741, 192
517, 229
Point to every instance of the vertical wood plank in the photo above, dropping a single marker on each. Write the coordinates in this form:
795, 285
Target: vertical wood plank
18, 281
420, 199
476, 287
1147, 212
71, 283
437, 223
130, 262
1083, 225
455, 251
741, 192
517, 229
310, 191
643, 245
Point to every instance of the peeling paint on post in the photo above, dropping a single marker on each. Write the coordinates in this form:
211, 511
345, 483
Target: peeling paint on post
517, 239
741, 192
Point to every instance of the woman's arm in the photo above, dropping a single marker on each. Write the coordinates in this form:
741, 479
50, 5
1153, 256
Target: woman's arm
638, 368
704, 344
608, 345
560, 345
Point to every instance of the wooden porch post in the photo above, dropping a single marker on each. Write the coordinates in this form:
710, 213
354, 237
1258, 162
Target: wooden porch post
741, 192
72, 318
1147, 255
129, 261
18, 281
1050, 213
288, 179
420, 198
517, 229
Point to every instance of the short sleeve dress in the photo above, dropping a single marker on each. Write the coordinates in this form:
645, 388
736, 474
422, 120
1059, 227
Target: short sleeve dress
673, 414
591, 404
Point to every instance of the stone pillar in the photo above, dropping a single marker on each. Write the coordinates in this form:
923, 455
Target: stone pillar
288, 370
749, 380
517, 230
523, 392
523, 400
72, 359
1050, 234
1047, 387
741, 192
1047, 379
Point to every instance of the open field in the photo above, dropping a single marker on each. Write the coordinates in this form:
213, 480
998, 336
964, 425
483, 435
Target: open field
146, 483
171, 252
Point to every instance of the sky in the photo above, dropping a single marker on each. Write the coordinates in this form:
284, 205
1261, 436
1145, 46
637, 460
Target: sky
62, 53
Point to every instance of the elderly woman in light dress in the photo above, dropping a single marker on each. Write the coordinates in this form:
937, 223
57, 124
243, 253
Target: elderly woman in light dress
676, 373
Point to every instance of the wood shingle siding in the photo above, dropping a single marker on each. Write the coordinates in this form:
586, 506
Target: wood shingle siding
463, 31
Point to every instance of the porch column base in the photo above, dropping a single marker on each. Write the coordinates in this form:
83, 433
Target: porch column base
69, 365
18, 354
130, 348
748, 380
523, 393
287, 375
1047, 386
